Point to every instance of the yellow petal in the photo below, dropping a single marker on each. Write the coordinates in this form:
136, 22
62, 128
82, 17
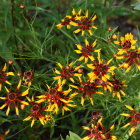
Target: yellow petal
3, 106
79, 46
17, 111
129, 107
25, 92
77, 31
57, 77
86, 128
86, 59
91, 58
59, 26
19, 84
86, 42
90, 32
126, 115
8, 110
4, 68
81, 58
77, 51
7, 89
60, 65
10, 73
126, 125
83, 32
93, 18
82, 101
132, 129
32, 123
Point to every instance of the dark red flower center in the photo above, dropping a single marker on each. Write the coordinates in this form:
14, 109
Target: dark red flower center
87, 51
133, 55
137, 116
100, 69
87, 88
35, 108
66, 21
85, 24
12, 96
116, 84
127, 45
67, 72
53, 91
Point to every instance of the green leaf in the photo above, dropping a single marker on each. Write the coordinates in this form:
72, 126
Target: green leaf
136, 5
74, 136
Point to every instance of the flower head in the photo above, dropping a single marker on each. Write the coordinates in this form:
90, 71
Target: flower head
100, 69
84, 24
3, 75
132, 57
14, 97
36, 112
28, 77
57, 99
117, 87
66, 73
127, 43
88, 89
98, 132
135, 119
68, 19
86, 51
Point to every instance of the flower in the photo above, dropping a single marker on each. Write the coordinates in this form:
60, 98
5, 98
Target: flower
135, 119
28, 77
4, 134
3, 75
13, 98
98, 132
132, 57
101, 83
117, 87
57, 98
36, 112
68, 19
86, 51
127, 43
84, 24
66, 73
87, 88
100, 69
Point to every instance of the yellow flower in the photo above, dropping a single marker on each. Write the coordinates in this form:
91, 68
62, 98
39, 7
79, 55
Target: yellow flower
36, 112
84, 24
57, 99
117, 87
132, 57
127, 43
66, 73
100, 69
86, 51
13, 98
3, 75
89, 88
68, 19
135, 119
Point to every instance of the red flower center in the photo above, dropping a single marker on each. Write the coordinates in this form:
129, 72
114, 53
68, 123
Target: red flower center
137, 116
100, 69
12, 96
53, 91
87, 51
35, 108
66, 21
85, 24
87, 88
127, 45
133, 55
67, 72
